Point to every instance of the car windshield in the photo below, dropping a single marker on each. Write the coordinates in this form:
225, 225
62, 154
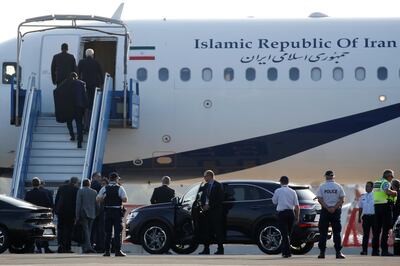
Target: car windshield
191, 194
16, 202
304, 194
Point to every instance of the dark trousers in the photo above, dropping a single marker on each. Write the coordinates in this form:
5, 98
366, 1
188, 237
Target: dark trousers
327, 218
78, 117
383, 221
66, 225
211, 227
367, 224
98, 236
286, 221
113, 218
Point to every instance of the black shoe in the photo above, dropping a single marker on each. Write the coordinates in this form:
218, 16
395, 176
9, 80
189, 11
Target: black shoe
48, 251
340, 255
89, 251
218, 252
375, 254
363, 253
321, 256
68, 251
205, 252
72, 139
286, 256
120, 254
79, 145
106, 254
386, 254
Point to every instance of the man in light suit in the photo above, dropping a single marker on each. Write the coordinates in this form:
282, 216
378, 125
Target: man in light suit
86, 208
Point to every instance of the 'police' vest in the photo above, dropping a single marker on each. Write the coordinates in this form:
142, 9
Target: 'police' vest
112, 198
380, 196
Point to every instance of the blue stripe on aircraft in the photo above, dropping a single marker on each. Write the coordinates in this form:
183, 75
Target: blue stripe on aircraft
256, 151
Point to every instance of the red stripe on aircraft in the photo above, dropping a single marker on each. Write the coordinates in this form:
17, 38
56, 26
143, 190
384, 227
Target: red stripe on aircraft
142, 58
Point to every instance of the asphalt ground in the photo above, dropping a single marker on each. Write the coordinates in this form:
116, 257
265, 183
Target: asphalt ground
235, 255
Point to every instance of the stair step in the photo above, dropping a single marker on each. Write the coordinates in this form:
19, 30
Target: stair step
61, 153
56, 161
60, 145
50, 123
53, 130
57, 169
53, 177
43, 114
52, 118
53, 137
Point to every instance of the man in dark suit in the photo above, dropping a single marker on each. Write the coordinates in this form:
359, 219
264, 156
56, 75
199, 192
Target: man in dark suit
80, 103
65, 209
62, 65
164, 193
41, 198
211, 218
44, 243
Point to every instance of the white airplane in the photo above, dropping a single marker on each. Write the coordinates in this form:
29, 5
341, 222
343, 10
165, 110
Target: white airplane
251, 98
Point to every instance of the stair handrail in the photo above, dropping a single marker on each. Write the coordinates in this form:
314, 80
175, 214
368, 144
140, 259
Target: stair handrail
30, 111
91, 143
102, 128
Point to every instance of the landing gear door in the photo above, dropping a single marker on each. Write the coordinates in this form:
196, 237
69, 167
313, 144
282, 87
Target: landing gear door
51, 45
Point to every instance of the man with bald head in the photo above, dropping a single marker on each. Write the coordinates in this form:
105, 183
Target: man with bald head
163, 193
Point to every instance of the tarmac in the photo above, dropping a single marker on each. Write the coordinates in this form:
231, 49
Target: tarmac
235, 255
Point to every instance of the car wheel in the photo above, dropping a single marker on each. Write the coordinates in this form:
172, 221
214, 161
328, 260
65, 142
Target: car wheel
156, 238
269, 239
185, 249
302, 248
4, 241
21, 248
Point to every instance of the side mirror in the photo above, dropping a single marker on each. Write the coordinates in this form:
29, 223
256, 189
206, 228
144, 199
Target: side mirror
176, 201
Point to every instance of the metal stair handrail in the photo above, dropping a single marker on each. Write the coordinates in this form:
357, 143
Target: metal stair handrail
31, 110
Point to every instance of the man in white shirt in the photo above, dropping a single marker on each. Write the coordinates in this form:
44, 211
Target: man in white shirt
331, 197
367, 212
288, 212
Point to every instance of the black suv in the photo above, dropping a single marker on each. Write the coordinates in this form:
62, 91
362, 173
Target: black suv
250, 218
21, 223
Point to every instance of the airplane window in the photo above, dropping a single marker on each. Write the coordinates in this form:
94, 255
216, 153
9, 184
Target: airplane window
360, 73
316, 74
141, 74
294, 73
9, 72
382, 73
250, 74
228, 74
207, 74
272, 74
185, 74
338, 73
163, 74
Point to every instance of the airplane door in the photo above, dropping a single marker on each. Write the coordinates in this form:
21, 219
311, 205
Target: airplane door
51, 45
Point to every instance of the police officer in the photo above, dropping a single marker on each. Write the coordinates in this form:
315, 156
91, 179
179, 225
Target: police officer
288, 212
366, 213
331, 197
383, 200
113, 196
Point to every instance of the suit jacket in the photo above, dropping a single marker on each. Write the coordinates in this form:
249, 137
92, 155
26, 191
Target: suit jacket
80, 97
66, 201
215, 197
162, 194
89, 70
49, 195
96, 185
86, 205
62, 66
38, 197
64, 101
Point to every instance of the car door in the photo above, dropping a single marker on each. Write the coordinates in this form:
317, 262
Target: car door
244, 205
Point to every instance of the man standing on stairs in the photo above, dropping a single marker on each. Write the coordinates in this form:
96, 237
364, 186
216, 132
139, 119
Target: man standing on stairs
62, 65
80, 103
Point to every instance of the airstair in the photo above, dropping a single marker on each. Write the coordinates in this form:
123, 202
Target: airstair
45, 150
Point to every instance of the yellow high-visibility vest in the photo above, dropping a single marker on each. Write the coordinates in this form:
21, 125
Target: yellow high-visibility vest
380, 196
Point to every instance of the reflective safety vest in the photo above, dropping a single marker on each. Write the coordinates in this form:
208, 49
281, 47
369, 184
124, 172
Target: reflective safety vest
380, 196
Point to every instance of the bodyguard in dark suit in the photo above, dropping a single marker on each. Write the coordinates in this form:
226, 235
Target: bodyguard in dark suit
89, 71
62, 65
164, 193
211, 218
65, 210
80, 103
